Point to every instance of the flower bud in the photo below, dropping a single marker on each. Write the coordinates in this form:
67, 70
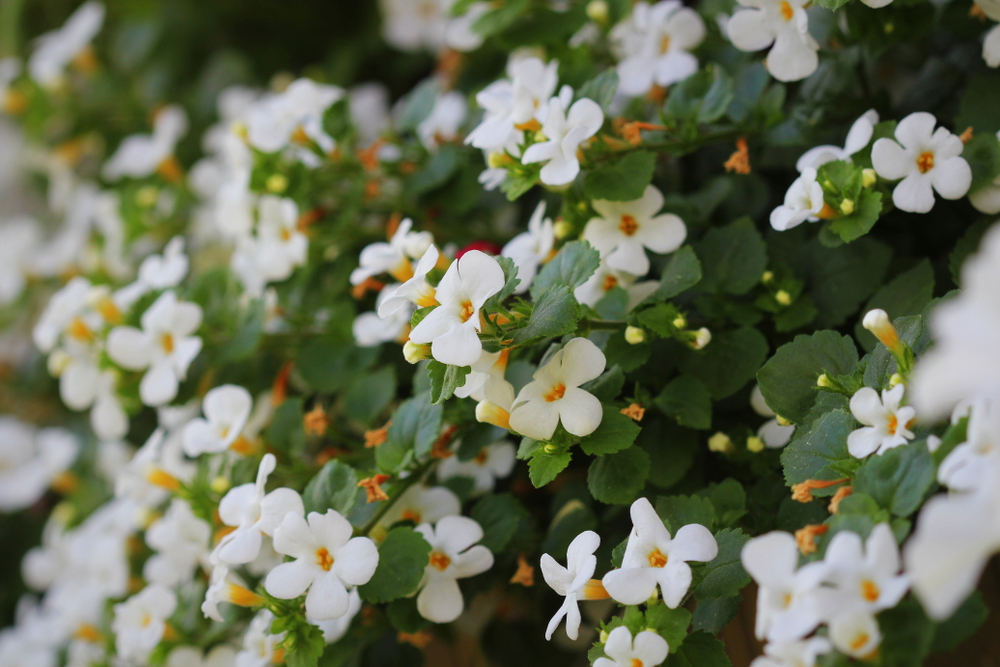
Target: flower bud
146, 196
783, 297
767, 277
868, 178
562, 229
58, 361
597, 11
680, 322
877, 321
895, 379
414, 352
497, 160
782, 421
634, 335
604, 636
220, 484
824, 381
703, 338
490, 413
721, 443
847, 207
276, 183
755, 444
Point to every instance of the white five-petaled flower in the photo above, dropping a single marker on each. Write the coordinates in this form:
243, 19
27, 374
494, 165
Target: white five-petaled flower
927, 160
393, 257
57, 49
370, 329
281, 245
857, 138
654, 44
30, 459
648, 649
181, 541
493, 462
799, 653
421, 504
783, 23
416, 290
165, 346
453, 327
141, 155
167, 270
254, 514
226, 409
803, 201
969, 466
532, 248
294, 116
564, 130
574, 581
555, 395
886, 423
141, 620
412, 25
327, 561
452, 557
786, 603
226, 586
512, 103
606, 279
652, 558
625, 229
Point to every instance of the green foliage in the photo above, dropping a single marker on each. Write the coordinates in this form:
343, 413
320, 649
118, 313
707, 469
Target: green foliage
499, 515
544, 466
601, 88
370, 394
678, 511
906, 294
820, 451
571, 267
950, 633
671, 624
702, 97
445, 379
899, 479
724, 576
617, 478
728, 362
712, 614
983, 155
402, 557
733, 258
415, 426
907, 634
335, 487
681, 273
554, 315
329, 365
687, 400
700, 649
624, 180
615, 433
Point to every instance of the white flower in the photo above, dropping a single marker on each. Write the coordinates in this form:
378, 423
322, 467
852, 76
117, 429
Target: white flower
225, 586
227, 409
159, 465
335, 628
606, 279
926, 160
654, 44
421, 504
783, 23
803, 201
574, 581
771, 432
412, 25
802, 653
281, 244
855, 634
370, 329
647, 649
453, 557
987, 198
442, 124
165, 346
991, 41
509, 104
652, 558
486, 379
857, 138
886, 423
253, 514
415, 291
554, 394
55, 50
259, 645
10, 69
30, 460
392, 257
564, 130
140, 155
141, 620
221, 655
453, 327
626, 229
532, 248
182, 542
167, 270
970, 465
786, 603
22, 239
292, 116
61, 313
327, 561
458, 33
493, 462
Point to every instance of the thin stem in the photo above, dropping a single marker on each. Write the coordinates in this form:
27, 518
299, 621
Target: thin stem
400, 489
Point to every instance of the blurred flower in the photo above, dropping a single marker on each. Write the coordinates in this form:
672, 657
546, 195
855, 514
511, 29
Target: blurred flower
784, 24
57, 49
564, 128
453, 557
140, 622
654, 43
647, 649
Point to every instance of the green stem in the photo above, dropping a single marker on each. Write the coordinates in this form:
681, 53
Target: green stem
603, 325
10, 25
400, 489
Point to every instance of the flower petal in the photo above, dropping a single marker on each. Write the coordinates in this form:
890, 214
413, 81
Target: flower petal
290, 580
441, 600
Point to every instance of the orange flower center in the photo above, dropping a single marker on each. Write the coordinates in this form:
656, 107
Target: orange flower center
786, 601
636, 662
859, 641
657, 558
411, 515
665, 44
610, 283
467, 311
285, 234
243, 597
440, 561
628, 225
893, 424
481, 457
557, 392
77, 329
324, 559
786, 10
925, 162
869, 590
167, 341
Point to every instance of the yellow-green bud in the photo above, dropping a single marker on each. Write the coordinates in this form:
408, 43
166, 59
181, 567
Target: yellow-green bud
895, 379
604, 636
220, 484
755, 444
783, 297
847, 207
680, 322
782, 421
654, 599
146, 196
597, 11
562, 229
767, 277
634, 335
702, 338
414, 352
868, 178
824, 381
496, 160
550, 448
721, 443
277, 183
238, 128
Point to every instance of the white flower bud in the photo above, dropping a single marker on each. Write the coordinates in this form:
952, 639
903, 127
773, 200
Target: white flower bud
634, 335
877, 321
490, 413
58, 361
755, 444
597, 11
721, 443
562, 229
783, 297
276, 183
702, 338
414, 352
868, 178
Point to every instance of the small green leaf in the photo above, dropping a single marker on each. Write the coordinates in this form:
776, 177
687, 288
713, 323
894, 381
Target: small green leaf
712, 614
543, 467
308, 646
624, 180
671, 624
617, 478
729, 500
867, 209
699, 649
615, 433
554, 315
572, 266
402, 557
601, 88
724, 576
682, 272
608, 385
499, 515
335, 486
733, 258
728, 362
686, 399
899, 479
813, 453
415, 427
678, 511
983, 155
445, 379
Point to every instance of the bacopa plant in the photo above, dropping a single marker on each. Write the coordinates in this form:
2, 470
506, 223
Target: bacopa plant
518, 333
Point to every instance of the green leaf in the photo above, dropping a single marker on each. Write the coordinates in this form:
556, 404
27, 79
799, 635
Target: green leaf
619, 352
617, 478
329, 366
728, 362
442, 165
418, 105
724, 575
671, 624
335, 486
499, 515
403, 615
733, 258
445, 379
515, 185
402, 557
832, 5
867, 209
543, 467
370, 395
906, 294
601, 88
687, 400
811, 454
729, 500
898, 479
703, 97
679, 511
699, 649
572, 519
681, 273
615, 433
554, 314
286, 432
907, 634
983, 155
608, 385
788, 379
978, 107
671, 450
415, 427
572, 266
623, 180
308, 646
712, 614
949, 634
880, 364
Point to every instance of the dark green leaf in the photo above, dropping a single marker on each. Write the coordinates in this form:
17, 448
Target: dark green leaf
617, 478
811, 453
402, 557
687, 400
415, 427
733, 258
949, 634
682, 272
554, 315
499, 515
699, 649
728, 362
601, 88
543, 467
898, 479
370, 395
445, 379
572, 266
678, 511
712, 614
335, 486
329, 366
624, 180
907, 634
983, 155
608, 385
724, 576
615, 433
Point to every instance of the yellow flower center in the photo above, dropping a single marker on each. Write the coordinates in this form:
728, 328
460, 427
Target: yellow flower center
893, 424
77, 329
657, 558
628, 225
467, 311
167, 341
324, 559
859, 641
411, 515
665, 44
440, 561
869, 590
925, 162
786, 10
610, 283
557, 392
636, 662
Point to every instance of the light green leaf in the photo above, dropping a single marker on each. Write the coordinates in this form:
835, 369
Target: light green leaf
445, 379
671, 624
682, 272
899, 479
811, 453
543, 467
554, 315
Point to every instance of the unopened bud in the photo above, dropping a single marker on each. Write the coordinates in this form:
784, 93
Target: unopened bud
824, 381
277, 183
721, 443
604, 636
414, 352
767, 277
146, 196
550, 448
868, 178
491, 413
755, 444
497, 160
877, 321
702, 338
847, 207
895, 379
220, 484
782, 421
634, 335
597, 11
562, 229
58, 361
783, 297
680, 322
